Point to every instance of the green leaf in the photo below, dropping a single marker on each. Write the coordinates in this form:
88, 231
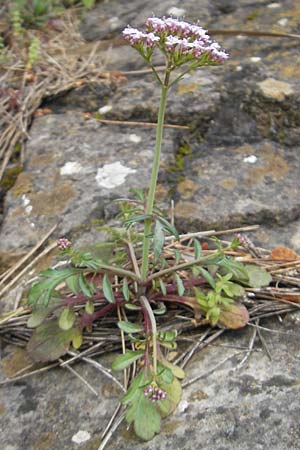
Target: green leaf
77, 338
168, 227
129, 327
167, 336
176, 370
87, 288
66, 319
208, 277
132, 307
158, 239
258, 277
163, 287
49, 342
107, 289
177, 255
134, 389
89, 307
137, 218
197, 248
144, 416
180, 286
174, 393
38, 316
42, 291
125, 290
166, 374
73, 284
123, 361
160, 310
236, 268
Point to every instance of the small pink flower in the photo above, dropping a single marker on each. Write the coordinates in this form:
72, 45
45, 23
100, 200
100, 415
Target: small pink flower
64, 243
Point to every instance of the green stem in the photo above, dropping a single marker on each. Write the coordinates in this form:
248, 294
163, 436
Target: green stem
148, 308
154, 175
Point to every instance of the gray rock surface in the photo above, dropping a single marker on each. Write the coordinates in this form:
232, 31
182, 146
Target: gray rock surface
253, 407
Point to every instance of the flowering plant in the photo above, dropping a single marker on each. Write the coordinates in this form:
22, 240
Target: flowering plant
145, 274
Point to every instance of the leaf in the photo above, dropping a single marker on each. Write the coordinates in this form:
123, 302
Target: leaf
180, 286
174, 393
144, 416
257, 276
89, 307
158, 239
160, 310
77, 338
73, 284
208, 277
125, 290
132, 307
133, 390
166, 374
107, 289
282, 253
86, 288
42, 291
66, 319
233, 316
197, 248
176, 370
129, 327
88, 3
236, 268
137, 218
163, 287
49, 342
168, 227
177, 255
123, 361
38, 316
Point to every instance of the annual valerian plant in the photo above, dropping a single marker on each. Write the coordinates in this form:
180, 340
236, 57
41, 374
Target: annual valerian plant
137, 274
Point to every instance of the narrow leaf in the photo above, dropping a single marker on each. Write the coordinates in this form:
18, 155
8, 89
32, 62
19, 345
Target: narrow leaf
180, 286
123, 361
163, 288
85, 287
107, 289
197, 248
208, 277
125, 290
129, 327
158, 240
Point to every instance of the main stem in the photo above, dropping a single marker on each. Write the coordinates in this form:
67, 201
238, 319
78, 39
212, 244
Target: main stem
153, 180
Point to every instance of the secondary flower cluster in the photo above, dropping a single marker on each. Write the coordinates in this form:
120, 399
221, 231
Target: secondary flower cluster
154, 393
63, 243
175, 37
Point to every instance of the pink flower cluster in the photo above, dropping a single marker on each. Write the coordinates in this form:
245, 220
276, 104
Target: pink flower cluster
154, 393
177, 37
64, 243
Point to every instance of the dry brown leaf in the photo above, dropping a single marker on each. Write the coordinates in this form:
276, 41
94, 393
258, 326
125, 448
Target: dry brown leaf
282, 253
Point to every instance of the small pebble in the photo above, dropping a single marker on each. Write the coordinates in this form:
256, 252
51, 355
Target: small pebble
250, 159
255, 59
105, 109
135, 138
81, 436
178, 12
283, 22
274, 5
